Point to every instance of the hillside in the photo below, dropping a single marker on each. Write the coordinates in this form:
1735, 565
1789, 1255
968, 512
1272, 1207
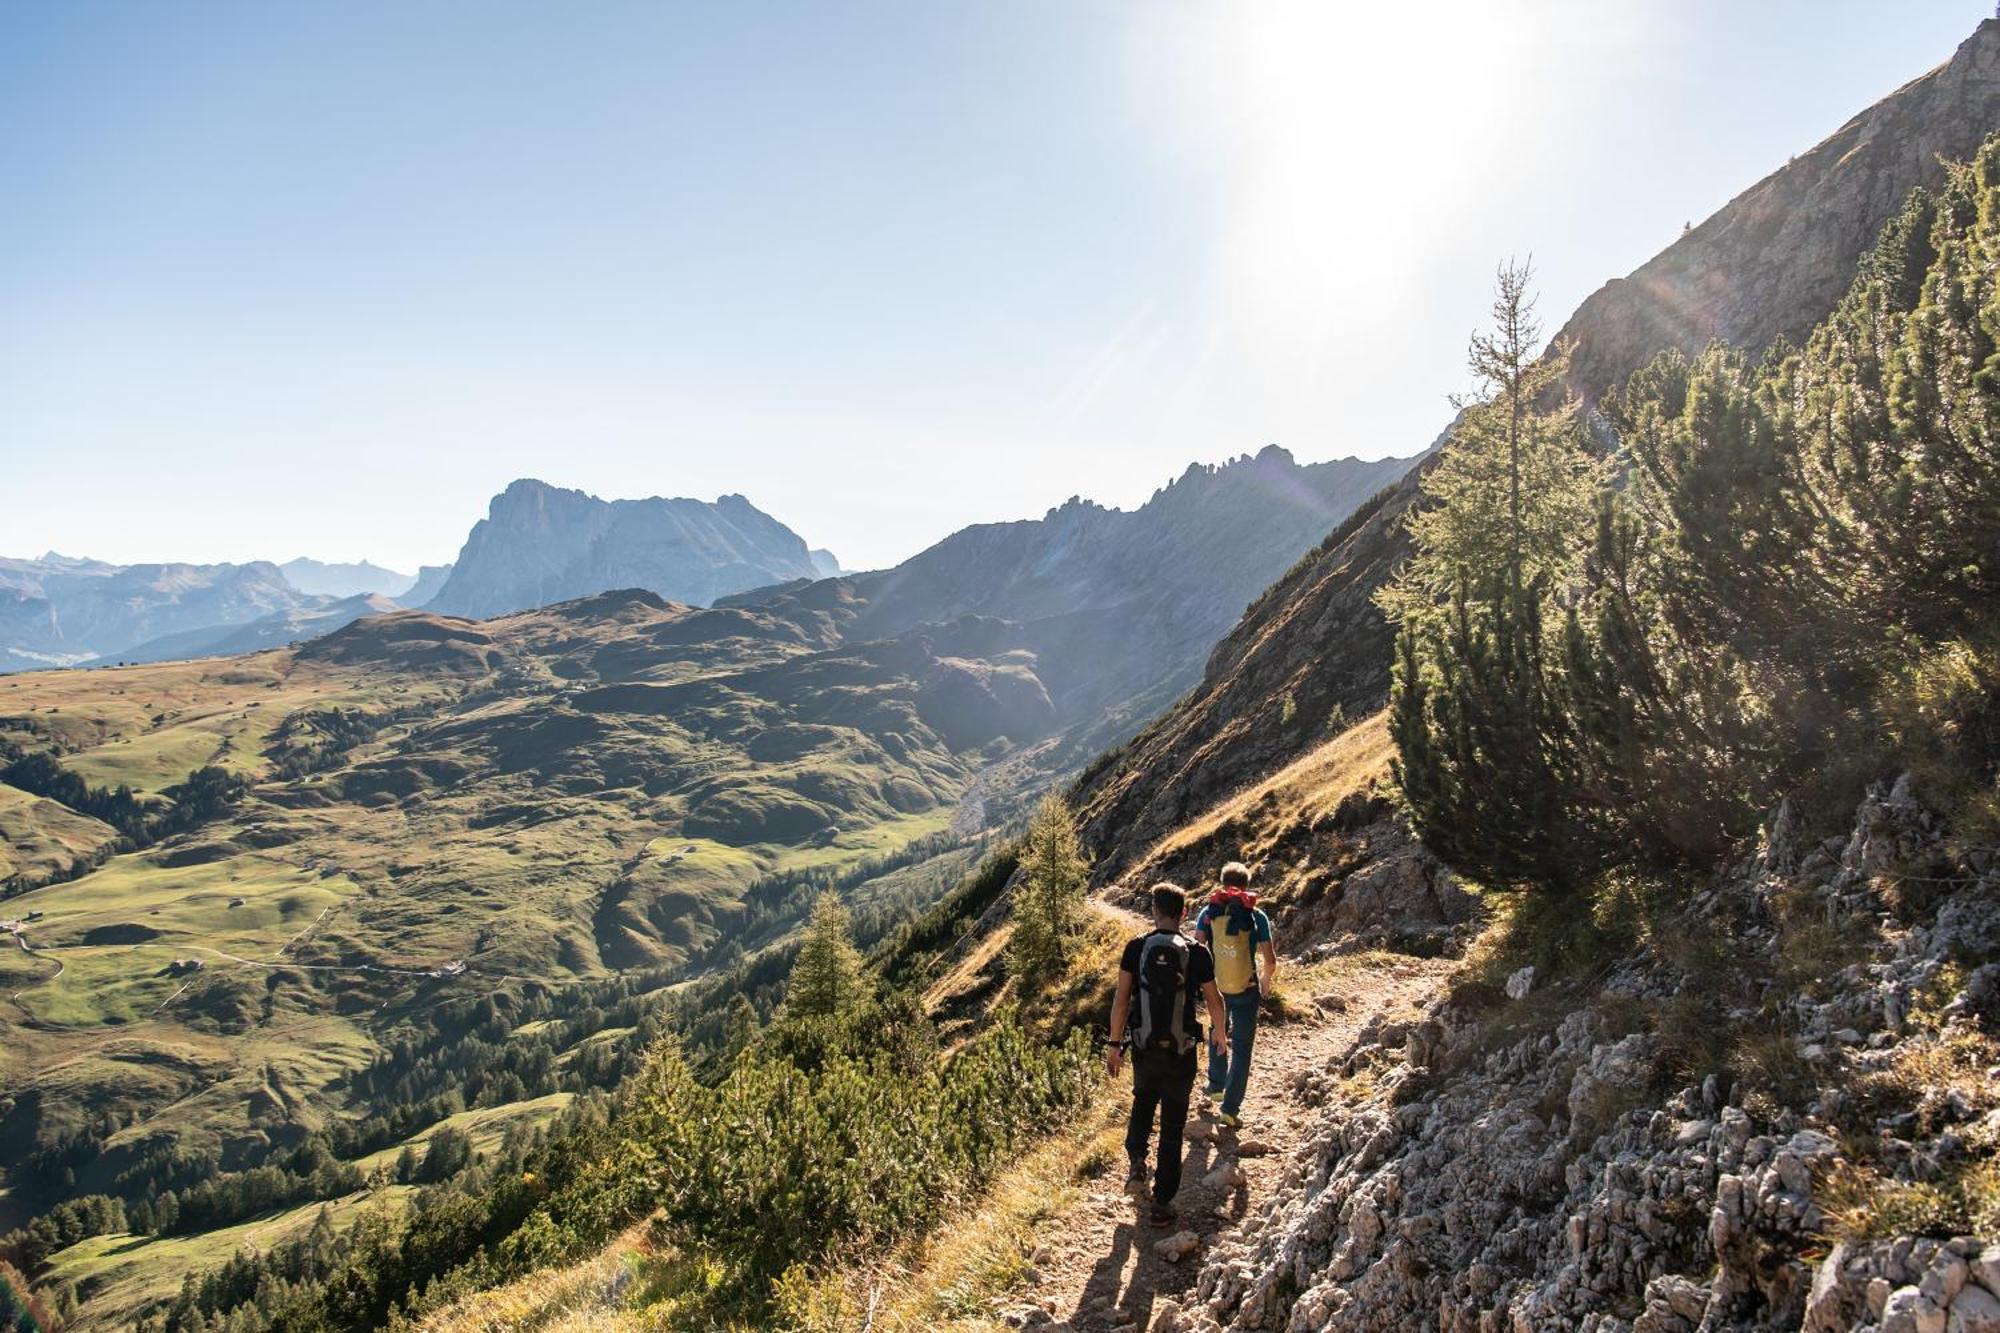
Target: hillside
602, 797
540, 544
1774, 259
623, 962
1313, 651
1120, 607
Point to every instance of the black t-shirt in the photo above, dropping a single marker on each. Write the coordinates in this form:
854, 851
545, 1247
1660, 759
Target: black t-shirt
1201, 971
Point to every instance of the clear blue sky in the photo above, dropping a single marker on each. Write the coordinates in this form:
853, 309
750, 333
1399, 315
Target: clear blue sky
284, 278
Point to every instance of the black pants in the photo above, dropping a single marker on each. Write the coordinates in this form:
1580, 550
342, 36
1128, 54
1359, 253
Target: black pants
1162, 1080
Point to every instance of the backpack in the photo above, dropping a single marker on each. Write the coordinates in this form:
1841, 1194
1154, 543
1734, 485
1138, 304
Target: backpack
1162, 989
1235, 955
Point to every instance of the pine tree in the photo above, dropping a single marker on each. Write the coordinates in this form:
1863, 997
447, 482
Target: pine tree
827, 979
1048, 900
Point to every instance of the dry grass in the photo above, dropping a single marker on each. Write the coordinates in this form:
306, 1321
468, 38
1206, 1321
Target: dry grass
588, 1296
1297, 794
1859, 1203
959, 1279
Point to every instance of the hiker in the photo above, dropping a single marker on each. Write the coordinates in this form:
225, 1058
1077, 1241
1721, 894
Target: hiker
1165, 972
1237, 934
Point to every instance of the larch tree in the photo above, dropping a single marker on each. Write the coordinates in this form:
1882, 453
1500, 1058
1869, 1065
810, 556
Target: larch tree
827, 978
1048, 901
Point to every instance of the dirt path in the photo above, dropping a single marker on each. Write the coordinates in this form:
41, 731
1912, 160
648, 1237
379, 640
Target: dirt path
1099, 1268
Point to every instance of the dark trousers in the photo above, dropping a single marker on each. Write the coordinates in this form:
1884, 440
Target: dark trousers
1162, 1081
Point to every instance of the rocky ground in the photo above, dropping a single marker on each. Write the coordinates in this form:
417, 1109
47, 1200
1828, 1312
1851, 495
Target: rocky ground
1560, 1159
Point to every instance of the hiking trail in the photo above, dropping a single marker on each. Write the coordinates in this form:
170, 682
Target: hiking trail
1099, 1267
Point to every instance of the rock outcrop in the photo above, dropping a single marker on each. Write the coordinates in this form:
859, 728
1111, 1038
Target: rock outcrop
1484, 1169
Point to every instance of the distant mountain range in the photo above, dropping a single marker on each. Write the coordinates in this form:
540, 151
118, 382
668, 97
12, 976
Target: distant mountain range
60, 611
1115, 605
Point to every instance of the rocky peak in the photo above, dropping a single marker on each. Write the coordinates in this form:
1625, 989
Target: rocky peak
540, 544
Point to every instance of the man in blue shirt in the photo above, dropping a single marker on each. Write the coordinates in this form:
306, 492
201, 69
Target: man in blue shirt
1238, 936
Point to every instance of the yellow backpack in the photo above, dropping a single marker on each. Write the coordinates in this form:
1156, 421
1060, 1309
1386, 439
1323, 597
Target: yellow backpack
1235, 955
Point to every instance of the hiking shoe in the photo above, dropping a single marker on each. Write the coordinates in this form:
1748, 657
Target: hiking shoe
1164, 1216
1229, 1121
1136, 1177
1213, 1094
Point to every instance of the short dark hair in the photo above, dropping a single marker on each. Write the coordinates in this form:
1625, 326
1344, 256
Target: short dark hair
1236, 875
1169, 901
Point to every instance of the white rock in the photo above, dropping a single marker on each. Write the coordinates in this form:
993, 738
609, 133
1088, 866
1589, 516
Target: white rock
1908, 1312
1177, 1246
1520, 983
1692, 1131
1975, 1310
1986, 1269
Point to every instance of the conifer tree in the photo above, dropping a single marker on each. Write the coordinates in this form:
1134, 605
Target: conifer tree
1484, 755
1048, 900
827, 979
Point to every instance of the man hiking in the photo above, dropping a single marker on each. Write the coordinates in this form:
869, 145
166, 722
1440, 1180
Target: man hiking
1237, 934
1161, 975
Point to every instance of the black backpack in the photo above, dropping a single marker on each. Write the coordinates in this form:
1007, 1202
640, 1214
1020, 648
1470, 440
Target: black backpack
1162, 988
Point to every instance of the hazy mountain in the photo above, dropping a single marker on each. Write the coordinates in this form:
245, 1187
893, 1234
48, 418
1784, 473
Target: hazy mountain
272, 631
430, 579
1121, 607
58, 610
824, 562
540, 544
345, 580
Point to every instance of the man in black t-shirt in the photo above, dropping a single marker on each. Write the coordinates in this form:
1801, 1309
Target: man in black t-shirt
1163, 974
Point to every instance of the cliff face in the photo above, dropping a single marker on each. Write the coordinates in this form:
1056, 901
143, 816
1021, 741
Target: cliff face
1779, 255
541, 544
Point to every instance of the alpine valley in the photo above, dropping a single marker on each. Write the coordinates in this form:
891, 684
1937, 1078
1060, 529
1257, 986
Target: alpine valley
644, 923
